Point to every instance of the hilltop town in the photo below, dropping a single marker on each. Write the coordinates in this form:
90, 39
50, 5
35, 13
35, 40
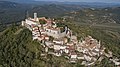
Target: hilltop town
58, 39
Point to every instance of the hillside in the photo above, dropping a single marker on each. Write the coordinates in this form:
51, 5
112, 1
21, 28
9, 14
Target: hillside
95, 15
17, 49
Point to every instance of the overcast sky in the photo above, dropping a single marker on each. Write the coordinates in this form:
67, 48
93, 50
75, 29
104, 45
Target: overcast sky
108, 1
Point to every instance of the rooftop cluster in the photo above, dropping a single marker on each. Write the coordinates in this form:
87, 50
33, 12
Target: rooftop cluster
56, 36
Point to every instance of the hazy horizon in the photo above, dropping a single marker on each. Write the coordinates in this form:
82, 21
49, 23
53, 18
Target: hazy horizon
102, 1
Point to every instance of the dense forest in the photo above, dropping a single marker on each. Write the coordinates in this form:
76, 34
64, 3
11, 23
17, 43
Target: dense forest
18, 50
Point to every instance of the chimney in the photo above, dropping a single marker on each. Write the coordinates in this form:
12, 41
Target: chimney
35, 16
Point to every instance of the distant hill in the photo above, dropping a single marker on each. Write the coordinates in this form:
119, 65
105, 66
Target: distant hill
6, 4
33, 2
15, 12
53, 10
95, 15
83, 4
94, 4
21, 1
12, 12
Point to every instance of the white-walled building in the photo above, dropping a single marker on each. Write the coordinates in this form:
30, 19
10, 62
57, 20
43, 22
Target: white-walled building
47, 28
60, 41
